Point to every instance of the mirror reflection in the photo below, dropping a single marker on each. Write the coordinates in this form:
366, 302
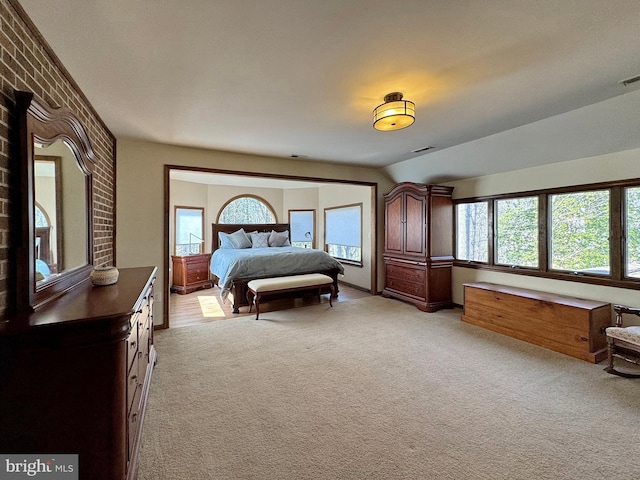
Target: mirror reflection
60, 212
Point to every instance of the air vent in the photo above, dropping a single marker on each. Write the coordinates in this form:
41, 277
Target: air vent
295, 155
629, 81
423, 149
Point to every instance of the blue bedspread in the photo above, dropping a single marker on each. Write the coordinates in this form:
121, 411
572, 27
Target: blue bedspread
228, 264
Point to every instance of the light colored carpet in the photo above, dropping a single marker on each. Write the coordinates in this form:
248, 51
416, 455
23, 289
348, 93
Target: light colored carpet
375, 389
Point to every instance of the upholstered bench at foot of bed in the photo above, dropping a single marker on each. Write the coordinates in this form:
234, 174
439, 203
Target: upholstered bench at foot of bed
293, 283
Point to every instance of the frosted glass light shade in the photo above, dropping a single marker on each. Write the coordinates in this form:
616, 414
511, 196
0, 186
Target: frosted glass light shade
394, 114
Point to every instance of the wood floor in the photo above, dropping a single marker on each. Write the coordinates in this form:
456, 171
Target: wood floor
204, 306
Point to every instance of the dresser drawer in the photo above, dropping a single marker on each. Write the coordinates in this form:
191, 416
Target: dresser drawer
132, 345
193, 277
133, 384
133, 422
143, 344
411, 274
198, 266
202, 258
403, 286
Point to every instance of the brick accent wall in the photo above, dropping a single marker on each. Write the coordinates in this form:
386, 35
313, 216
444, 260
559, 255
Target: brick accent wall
28, 63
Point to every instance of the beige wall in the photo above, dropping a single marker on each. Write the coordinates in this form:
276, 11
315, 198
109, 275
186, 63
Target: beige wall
302, 199
615, 166
141, 203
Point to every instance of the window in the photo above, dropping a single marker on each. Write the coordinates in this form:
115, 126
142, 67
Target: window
343, 233
302, 228
632, 231
247, 209
517, 231
189, 230
580, 232
472, 230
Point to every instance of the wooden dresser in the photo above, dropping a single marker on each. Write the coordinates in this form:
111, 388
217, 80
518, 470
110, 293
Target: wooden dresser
418, 247
190, 272
75, 376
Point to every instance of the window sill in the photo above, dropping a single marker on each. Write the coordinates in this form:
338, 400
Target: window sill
555, 275
353, 263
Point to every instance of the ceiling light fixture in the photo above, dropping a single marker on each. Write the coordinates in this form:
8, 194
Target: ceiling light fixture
394, 113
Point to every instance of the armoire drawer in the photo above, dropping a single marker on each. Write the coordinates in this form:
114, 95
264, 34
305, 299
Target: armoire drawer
410, 288
408, 273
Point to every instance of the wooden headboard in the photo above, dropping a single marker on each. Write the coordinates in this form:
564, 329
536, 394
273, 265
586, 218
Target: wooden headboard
248, 227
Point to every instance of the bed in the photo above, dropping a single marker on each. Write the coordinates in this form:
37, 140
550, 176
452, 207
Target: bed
233, 268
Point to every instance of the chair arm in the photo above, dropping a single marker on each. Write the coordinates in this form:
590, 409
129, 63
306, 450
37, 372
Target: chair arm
621, 309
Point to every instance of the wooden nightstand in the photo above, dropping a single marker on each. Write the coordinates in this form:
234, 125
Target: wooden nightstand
190, 273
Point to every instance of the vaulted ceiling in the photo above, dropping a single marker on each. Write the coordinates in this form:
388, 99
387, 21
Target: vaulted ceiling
301, 77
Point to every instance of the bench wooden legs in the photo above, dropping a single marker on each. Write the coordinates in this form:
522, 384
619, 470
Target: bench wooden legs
253, 297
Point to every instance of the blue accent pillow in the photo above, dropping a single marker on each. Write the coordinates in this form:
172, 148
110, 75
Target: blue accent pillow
237, 239
224, 240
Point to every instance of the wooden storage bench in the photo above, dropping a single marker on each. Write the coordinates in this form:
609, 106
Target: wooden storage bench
568, 325
290, 284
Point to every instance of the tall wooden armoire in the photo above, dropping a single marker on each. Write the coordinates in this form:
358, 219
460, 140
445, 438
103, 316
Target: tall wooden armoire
418, 246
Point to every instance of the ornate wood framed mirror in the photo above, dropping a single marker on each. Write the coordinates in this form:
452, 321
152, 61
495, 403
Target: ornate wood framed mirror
55, 250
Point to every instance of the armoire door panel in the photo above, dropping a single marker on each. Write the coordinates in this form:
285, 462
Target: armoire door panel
415, 225
393, 238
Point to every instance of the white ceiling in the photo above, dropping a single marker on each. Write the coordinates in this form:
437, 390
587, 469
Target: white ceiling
239, 180
283, 77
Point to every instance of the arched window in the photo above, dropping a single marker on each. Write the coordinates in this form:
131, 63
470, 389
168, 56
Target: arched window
45, 247
247, 209
42, 219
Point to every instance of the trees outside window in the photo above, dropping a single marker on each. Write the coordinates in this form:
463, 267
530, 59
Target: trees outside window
583, 233
247, 209
632, 232
580, 232
472, 230
517, 231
